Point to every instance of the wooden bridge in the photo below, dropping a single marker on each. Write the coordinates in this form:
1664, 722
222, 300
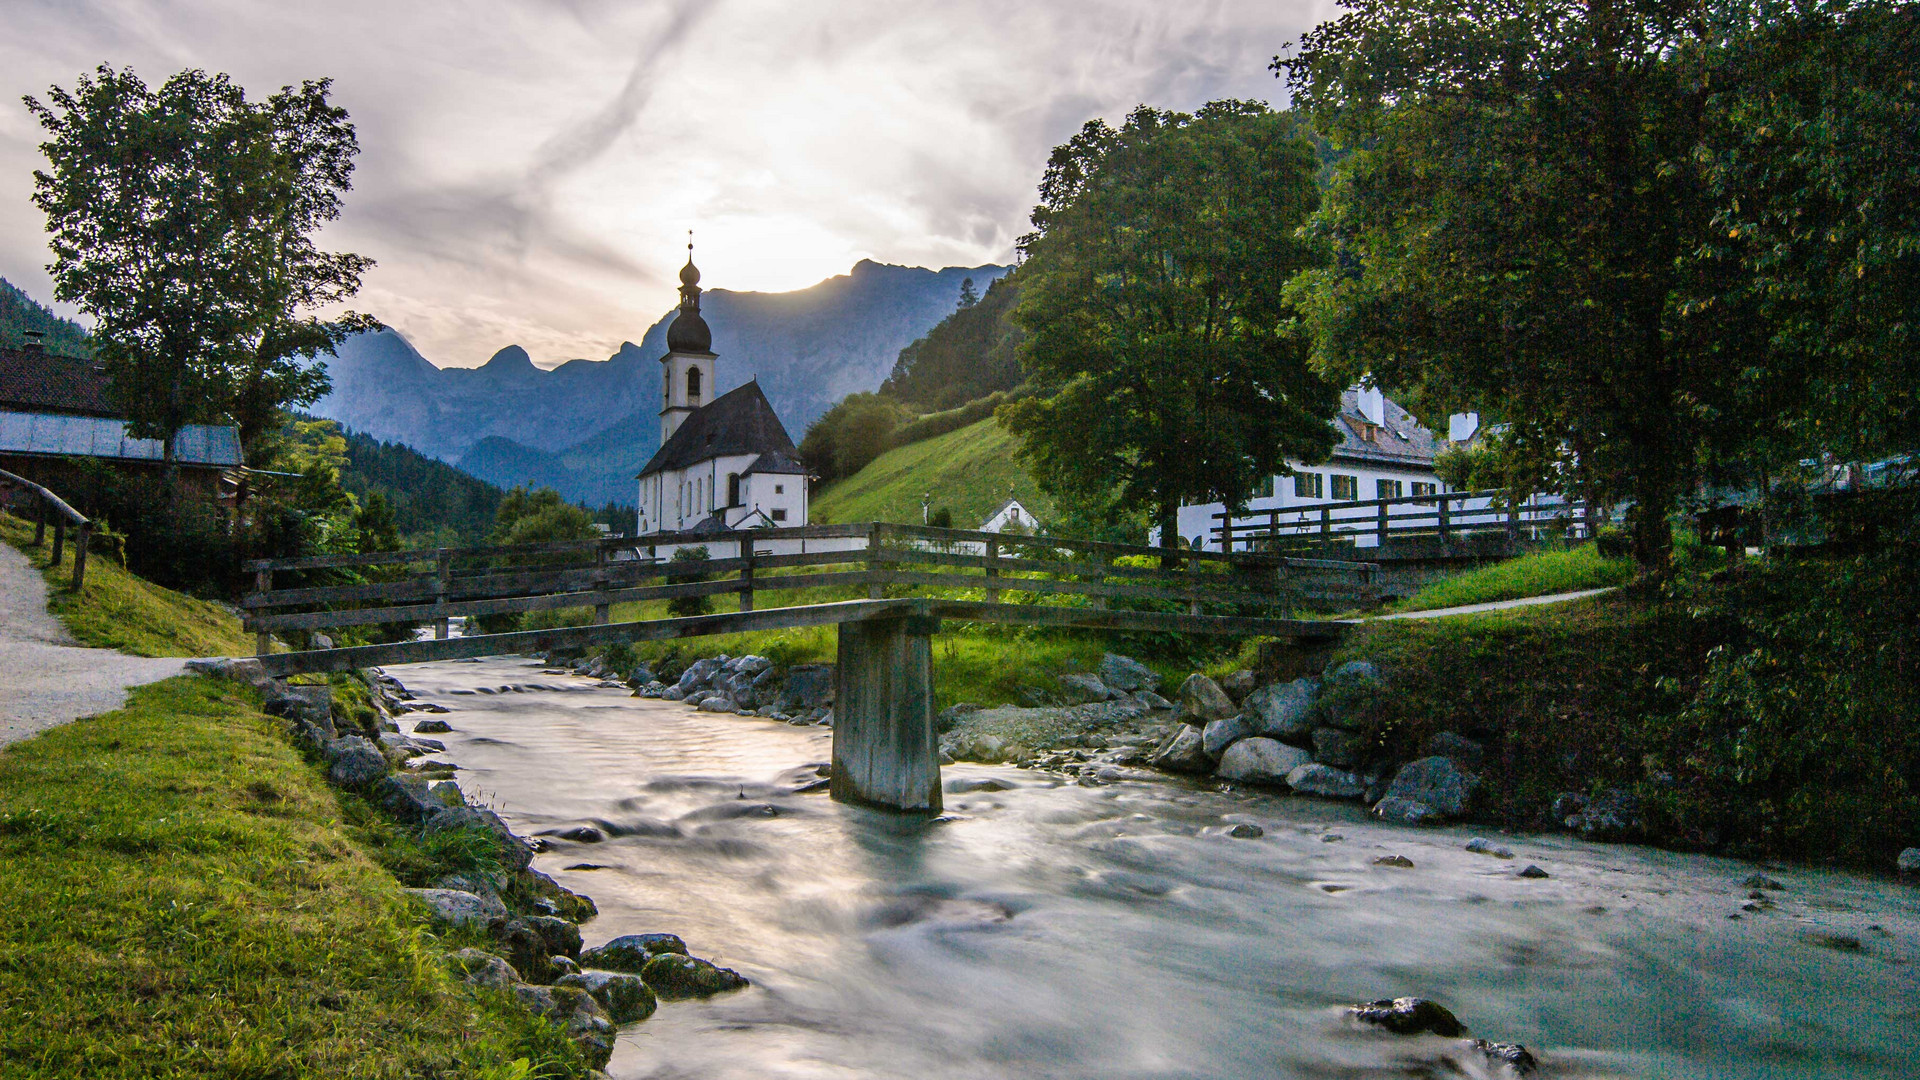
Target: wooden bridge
885, 747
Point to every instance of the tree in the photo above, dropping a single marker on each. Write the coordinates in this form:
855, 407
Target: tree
1159, 343
539, 516
845, 438
968, 297
181, 222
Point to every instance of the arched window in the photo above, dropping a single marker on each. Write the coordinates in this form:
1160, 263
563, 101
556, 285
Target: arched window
733, 489
693, 384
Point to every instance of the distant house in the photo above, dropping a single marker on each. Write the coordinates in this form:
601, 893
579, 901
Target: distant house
724, 463
1011, 516
56, 410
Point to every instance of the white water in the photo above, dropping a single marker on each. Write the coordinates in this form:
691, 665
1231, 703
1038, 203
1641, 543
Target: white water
1053, 930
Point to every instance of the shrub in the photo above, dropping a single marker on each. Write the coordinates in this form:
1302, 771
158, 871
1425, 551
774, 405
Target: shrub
683, 606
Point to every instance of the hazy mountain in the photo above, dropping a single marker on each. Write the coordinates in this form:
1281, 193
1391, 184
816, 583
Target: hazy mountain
20, 313
588, 425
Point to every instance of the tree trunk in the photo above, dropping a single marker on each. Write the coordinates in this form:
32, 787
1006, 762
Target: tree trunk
1651, 532
169, 467
1168, 518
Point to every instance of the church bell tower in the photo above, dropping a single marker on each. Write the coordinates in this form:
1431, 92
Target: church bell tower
687, 369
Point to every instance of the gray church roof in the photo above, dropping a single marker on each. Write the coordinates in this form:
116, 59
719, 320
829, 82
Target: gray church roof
740, 421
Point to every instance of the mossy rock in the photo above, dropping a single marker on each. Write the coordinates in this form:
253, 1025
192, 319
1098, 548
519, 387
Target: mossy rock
674, 977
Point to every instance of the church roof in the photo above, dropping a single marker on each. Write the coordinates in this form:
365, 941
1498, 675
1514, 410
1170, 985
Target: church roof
778, 461
740, 421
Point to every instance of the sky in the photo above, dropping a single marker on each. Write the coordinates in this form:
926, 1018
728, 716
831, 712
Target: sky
529, 169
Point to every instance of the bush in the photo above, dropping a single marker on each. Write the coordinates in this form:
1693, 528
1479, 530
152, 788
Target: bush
684, 606
1613, 542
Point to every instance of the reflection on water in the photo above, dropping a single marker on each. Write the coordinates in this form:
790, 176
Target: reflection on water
1117, 932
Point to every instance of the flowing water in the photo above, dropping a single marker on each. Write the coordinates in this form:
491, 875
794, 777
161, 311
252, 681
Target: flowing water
1056, 930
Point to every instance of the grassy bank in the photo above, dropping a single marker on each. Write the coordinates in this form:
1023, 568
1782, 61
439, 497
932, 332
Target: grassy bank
1541, 573
182, 900
119, 610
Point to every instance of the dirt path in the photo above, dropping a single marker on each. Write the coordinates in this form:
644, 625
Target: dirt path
46, 679
1498, 605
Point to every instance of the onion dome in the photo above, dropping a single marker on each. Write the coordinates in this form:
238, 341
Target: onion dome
688, 332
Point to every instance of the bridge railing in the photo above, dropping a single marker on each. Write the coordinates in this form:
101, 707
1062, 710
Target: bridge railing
51, 509
1443, 515
886, 561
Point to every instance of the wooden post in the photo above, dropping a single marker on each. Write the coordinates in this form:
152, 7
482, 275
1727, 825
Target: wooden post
1513, 520
886, 753
1442, 522
80, 538
993, 556
746, 574
1380, 527
442, 573
1326, 525
875, 590
59, 540
262, 583
602, 612
1193, 573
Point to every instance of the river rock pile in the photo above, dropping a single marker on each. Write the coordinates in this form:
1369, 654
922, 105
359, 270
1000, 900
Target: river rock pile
750, 686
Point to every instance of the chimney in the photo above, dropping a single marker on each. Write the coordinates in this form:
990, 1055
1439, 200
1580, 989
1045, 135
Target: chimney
33, 341
1461, 426
1373, 404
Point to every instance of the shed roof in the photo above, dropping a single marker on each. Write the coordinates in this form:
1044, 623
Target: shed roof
51, 434
35, 381
740, 421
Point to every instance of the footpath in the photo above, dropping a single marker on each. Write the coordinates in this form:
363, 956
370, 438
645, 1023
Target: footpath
46, 679
1497, 605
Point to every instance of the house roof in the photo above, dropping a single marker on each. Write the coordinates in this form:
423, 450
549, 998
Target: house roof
46, 382
1402, 441
104, 437
778, 461
740, 421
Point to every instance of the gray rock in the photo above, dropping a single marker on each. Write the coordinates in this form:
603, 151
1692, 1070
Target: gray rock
675, 976
302, 704
1217, 736
400, 744
1237, 684
1353, 673
1511, 1058
751, 665
563, 966
1244, 831
1400, 862
1409, 1016
1183, 751
1909, 862
409, 798
241, 669
586, 1023
458, 908
1334, 746
514, 852
1532, 871
1284, 711
625, 996
1201, 700
477, 882
630, 952
717, 703
672, 693
950, 716
1326, 782
353, 761
562, 938
1436, 782
696, 676
1260, 760
432, 727
1078, 688
1406, 811
482, 968
1127, 674
809, 686
1470, 754
1151, 700
1480, 845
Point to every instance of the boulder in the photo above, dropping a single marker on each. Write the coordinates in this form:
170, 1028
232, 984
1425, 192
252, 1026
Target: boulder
302, 704
586, 1023
1237, 684
563, 966
525, 947
717, 703
1334, 746
1511, 1057
809, 686
696, 675
478, 882
1284, 710
409, 798
241, 669
482, 968
625, 996
1353, 673
514, 852
1435, 782
1260, 760
1532, 871
549, 897
1406, 811
1245, 831
1078, 688
1326, 782
1217, 736
561, 937
407, 747
432, 727
630, 952
1183, 751
1614, 815
1909, 861
1409, 1016
458, 908
674, 976
1127, 674
353, 761
1151, 700
750, 665
1201, 701
1470, 754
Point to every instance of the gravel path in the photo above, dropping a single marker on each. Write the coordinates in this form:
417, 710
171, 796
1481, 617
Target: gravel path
45, 678
1498, 605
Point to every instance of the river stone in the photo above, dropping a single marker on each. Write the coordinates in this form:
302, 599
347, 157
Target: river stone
1512, 1057
1909, 862
1333, 746
1398, 861
585, 1021
1183, 751
408, 798
353, 761
1078, 688
1436, 782
1480, 845
1452, 744
1260, 760
550, 898
1217, 736
717, 703
809, 686
674, 976
1406, 811
432, 727
1244, 831
1409, 1016
1237, 684
514, 852
1127, 674
1532, 871
630, 952
482, 968
458, 908
1326, 782
1283, 711
625, 996
1201, 700
561, 937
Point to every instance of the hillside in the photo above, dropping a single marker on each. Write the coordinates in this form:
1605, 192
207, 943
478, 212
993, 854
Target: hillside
20, 313
432, 501
969, 355
969, 471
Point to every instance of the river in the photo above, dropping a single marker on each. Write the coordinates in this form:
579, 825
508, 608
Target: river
1056, 930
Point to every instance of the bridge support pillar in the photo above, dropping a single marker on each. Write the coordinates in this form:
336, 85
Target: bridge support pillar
886, 753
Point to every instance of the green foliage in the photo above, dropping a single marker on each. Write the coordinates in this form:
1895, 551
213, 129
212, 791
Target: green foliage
20, 313
970, 471
848, 436
539, 516
434, 504
971, 354
1159, 344
939, 423
684, 606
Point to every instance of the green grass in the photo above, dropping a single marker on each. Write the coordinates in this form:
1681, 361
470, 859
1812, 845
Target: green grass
183, 900
118, 610
1542, 573
969, 471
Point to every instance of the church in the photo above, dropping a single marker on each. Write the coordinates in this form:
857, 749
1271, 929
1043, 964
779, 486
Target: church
724, 462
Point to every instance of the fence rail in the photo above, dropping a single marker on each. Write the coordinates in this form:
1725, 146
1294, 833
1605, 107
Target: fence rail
1442, 515
437, 585
52, 508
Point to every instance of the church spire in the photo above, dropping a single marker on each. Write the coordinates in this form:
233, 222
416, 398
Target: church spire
688, 332
690, 280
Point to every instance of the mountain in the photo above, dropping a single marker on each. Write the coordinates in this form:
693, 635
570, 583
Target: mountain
588, 425
20, 313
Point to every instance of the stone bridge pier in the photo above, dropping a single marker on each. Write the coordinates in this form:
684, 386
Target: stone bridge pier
886, 752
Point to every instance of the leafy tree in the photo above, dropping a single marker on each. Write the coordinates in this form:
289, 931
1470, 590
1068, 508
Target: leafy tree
684, 606
1159, 343
539, 516
968, 297
181, 221
848, 436
972, 353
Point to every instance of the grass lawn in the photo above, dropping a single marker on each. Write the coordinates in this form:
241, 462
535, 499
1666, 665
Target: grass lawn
1542, 573
118, 610
969, 471
182, 900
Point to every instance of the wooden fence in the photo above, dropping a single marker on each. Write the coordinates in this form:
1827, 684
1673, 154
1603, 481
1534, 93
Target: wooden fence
50, 508
1446, 516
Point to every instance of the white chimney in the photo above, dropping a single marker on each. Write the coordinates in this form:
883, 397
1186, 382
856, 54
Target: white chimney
1373, 404
1462, 425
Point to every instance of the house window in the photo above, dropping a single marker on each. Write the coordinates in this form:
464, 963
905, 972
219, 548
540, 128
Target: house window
1265, 488
779, 515
1309, 485
1345, 488
1388, 489
693, 384
779, 489
1422, 488
733, 489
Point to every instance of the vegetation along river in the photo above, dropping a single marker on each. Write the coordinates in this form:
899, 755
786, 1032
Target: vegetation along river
1119, 931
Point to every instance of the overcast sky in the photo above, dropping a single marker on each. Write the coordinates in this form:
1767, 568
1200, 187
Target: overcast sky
529, 168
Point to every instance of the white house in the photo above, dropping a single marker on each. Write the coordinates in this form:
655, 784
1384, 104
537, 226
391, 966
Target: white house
724, 462
1011, 515
1383, 453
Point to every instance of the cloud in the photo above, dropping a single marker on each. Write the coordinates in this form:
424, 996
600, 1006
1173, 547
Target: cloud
529, 169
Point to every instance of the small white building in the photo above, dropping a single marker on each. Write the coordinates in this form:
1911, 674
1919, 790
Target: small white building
726, 462
1011, 516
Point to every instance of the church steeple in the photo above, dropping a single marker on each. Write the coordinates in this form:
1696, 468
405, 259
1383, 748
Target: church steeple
688, 374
